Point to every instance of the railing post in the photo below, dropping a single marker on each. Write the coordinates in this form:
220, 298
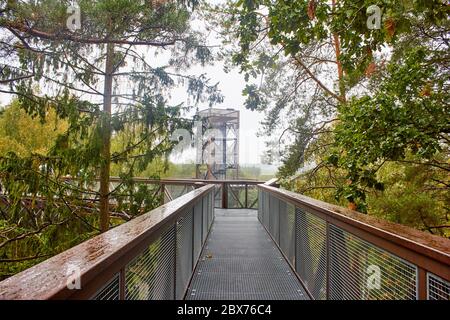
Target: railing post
328, 268
163, 193
193, 239
421, 284
295, 239
122, 284
246, 196
175, 262
224, 196
211, 206
201, 223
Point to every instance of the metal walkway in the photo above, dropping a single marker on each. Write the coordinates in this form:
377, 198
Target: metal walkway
241, 262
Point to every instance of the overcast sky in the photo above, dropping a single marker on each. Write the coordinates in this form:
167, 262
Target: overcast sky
231, 85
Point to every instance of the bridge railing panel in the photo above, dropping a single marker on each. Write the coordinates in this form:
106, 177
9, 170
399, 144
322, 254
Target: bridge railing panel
339, 254
236, 194
151, 257
438, 288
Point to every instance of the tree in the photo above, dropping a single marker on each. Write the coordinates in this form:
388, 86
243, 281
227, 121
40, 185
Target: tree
23, 135
327, 42
404, 117
99, 79
290, 65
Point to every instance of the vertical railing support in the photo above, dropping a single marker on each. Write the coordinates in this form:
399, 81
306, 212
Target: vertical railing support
163, 194
246, 196
202, 235
193, 238
328, 265
175, 262
122, 284
295, 239
224, 196
421, 284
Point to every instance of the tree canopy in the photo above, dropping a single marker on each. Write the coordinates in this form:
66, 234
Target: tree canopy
99, 79
347, 94
92, 67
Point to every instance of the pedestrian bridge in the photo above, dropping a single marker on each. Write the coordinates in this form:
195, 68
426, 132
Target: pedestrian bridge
244, 240
240, 261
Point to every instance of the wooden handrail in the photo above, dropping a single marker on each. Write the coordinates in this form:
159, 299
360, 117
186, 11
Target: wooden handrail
425, 250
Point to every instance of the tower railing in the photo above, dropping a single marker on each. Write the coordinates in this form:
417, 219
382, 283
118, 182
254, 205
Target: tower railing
342, 254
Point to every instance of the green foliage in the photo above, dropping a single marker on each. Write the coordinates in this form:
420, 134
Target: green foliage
140, 120
254, 99
416, 196
391, 110
101, 84
408, 113
297, 24
22, 134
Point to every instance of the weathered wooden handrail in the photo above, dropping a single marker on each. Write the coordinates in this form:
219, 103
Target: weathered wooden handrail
341, 234
109, 255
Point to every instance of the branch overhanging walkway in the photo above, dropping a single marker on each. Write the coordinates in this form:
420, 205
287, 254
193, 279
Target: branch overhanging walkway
240, 261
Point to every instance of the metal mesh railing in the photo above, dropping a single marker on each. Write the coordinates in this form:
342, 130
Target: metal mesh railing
111, 291
163, 270
311, 252
204, 218
218, 194
335, 252
184, 253
274, 218
334, 263
252, 197
150, 275
266, 212
287, 230
261, 206
210, 212
198, 230
438, 289
360, 270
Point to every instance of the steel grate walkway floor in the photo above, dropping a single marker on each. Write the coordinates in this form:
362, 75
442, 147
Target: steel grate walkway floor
241, 262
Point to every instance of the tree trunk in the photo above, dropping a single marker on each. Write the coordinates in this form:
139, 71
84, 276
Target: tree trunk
106, 139
337, 48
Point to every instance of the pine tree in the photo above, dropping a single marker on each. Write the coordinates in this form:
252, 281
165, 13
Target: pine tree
94, 65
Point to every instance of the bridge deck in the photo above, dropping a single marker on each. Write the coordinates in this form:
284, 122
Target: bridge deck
241, 262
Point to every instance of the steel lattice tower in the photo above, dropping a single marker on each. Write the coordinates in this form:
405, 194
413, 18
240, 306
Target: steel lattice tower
218, 145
